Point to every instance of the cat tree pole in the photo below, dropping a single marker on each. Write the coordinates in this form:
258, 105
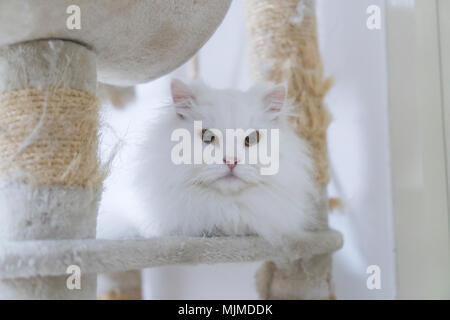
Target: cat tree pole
284, 49
50, 177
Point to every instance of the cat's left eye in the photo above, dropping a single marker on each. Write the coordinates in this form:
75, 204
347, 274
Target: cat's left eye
208, 136
252, 138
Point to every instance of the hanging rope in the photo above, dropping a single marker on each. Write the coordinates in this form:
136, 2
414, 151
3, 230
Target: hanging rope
194, 67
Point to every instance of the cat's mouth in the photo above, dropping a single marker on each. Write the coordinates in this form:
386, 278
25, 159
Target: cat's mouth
234, 179
231, 183
230, 176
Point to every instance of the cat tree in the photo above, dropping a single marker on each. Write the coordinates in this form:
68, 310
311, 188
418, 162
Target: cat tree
50, 174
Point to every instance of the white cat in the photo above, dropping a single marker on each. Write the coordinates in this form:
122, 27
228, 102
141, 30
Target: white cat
232, 197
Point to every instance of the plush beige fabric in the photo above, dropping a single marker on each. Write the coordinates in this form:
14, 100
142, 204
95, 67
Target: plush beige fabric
51, 257
134, 40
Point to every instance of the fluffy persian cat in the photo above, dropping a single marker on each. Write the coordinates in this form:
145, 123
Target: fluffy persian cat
231, 196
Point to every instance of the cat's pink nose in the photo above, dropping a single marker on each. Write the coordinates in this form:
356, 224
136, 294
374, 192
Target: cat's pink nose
230, 162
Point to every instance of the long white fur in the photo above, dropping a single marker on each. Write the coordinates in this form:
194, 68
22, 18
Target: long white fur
195, 200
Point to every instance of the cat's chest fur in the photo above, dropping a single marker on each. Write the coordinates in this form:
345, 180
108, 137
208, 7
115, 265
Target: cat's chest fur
207, 212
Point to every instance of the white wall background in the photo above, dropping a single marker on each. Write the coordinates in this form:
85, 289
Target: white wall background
359, 149
359, 144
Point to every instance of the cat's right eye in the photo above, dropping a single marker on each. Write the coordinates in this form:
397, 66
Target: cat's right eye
252, 138
208, 136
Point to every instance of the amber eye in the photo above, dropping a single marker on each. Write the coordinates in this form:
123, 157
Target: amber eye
252, 138
208, 136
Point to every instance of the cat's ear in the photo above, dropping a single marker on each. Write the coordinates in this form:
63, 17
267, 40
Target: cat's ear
275, 99
182, 97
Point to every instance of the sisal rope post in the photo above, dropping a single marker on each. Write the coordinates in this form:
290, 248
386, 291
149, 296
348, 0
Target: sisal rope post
283, 48
50, 177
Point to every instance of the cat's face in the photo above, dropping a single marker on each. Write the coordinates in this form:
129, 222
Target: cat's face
235, 126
